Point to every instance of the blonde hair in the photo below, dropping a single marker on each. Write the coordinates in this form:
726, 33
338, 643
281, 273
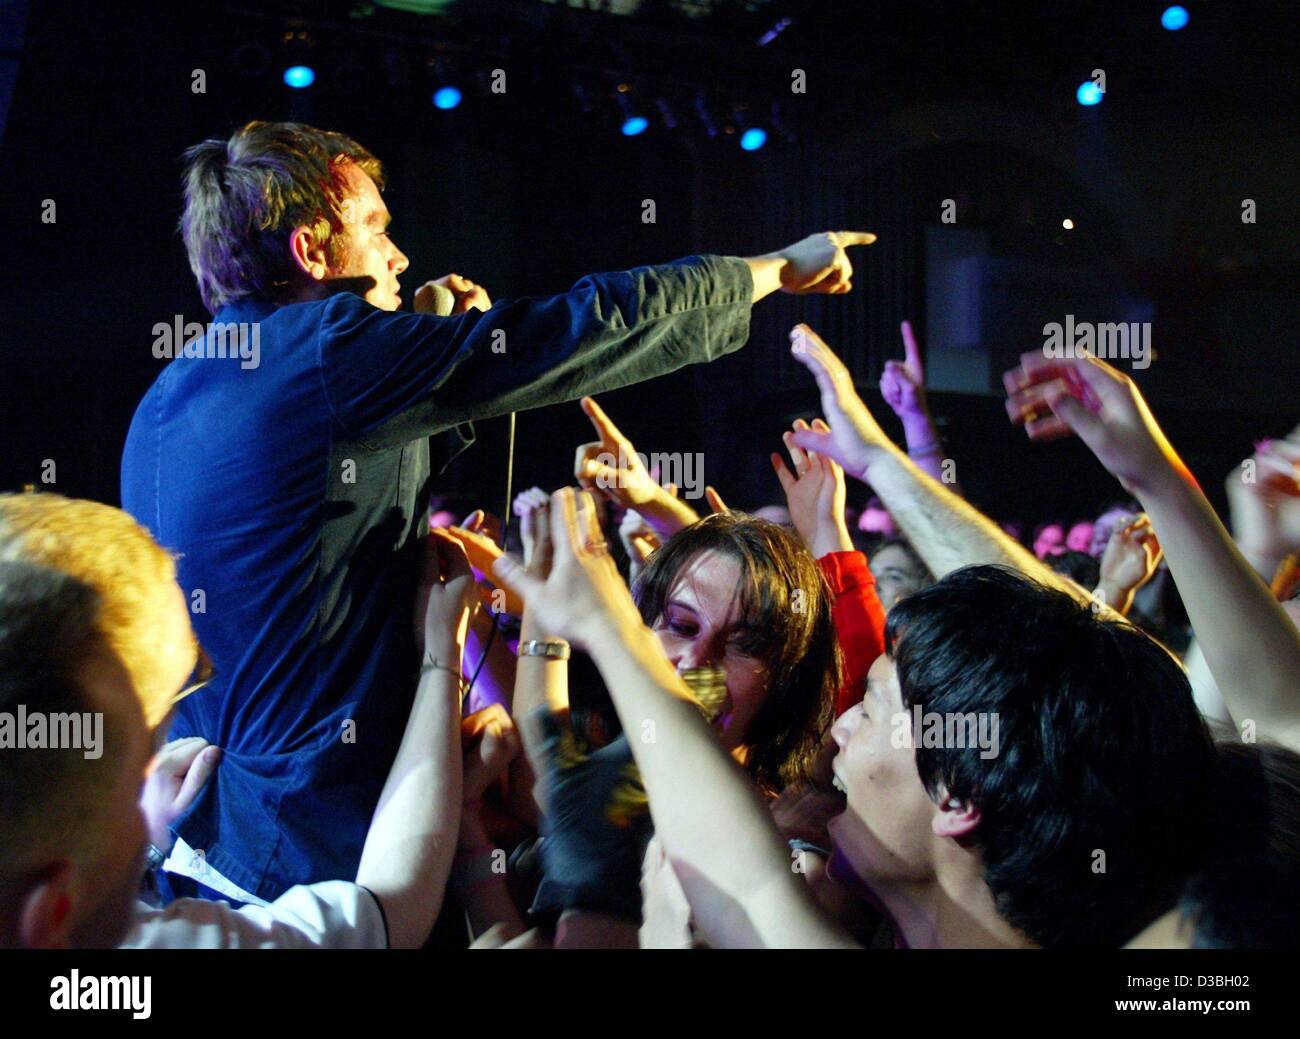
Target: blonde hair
106, 549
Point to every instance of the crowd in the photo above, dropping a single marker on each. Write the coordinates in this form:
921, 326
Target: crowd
869, 715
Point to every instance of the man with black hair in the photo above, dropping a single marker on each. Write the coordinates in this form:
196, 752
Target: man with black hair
1070, 827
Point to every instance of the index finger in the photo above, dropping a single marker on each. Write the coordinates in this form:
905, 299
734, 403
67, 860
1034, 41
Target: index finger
844, 239
609, 433
911, 351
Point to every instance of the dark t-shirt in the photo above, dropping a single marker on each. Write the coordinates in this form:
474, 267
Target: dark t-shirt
293, 493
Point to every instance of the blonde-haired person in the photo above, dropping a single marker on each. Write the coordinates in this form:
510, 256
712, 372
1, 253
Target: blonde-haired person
72, 833
144, 619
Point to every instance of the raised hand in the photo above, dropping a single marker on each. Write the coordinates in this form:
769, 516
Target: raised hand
639, 540
716, 504
533, 509
445, 595
1052, 397
176, 776
1130, 560
610, 463
1264, 497
814, 493
854, 438
611, 466
902, 383
583, 598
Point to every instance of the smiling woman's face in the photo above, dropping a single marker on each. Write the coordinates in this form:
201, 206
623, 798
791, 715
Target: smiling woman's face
702, 625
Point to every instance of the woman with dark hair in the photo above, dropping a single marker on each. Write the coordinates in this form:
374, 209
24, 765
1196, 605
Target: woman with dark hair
744, 594
742, 602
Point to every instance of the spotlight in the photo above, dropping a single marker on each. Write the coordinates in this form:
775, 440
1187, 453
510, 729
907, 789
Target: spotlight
299, 76
1174, 18
753, 139
634, 122
446, 98
1088, 93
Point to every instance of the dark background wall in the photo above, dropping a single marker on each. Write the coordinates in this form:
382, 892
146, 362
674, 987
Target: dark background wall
908, 104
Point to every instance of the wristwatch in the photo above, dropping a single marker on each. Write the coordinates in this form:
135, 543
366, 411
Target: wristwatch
556, 649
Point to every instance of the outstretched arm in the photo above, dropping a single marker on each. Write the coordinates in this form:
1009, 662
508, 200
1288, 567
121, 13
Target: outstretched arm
392, 377
1250, 644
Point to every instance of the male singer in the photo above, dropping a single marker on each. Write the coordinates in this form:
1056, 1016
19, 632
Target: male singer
293, 490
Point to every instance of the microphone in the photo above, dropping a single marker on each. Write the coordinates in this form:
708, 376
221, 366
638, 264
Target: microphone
431, 298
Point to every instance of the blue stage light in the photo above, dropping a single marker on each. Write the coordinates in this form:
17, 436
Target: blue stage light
446, 98
299, 76
1174, 18
753, 139
634, 125
1088, 93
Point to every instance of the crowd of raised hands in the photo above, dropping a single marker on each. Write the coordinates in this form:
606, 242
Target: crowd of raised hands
680, 724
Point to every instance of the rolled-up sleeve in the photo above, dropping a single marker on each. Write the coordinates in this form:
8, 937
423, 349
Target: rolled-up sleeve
392, 377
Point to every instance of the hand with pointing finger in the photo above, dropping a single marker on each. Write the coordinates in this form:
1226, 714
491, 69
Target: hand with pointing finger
902, 383
611, 466
820, 264
816, 264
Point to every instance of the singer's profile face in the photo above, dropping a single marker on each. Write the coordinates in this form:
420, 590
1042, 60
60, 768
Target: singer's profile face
365, 250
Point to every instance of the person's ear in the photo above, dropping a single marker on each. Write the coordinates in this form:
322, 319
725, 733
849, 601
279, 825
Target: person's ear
45, 912
955, 818
309, 253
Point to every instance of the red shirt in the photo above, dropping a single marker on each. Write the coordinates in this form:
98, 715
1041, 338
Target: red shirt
859, 621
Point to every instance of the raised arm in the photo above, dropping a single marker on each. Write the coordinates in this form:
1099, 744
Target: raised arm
945, 530
413, 835
732, 863
1251, 646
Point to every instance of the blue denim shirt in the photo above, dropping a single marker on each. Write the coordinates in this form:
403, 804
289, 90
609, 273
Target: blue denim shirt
294, 493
